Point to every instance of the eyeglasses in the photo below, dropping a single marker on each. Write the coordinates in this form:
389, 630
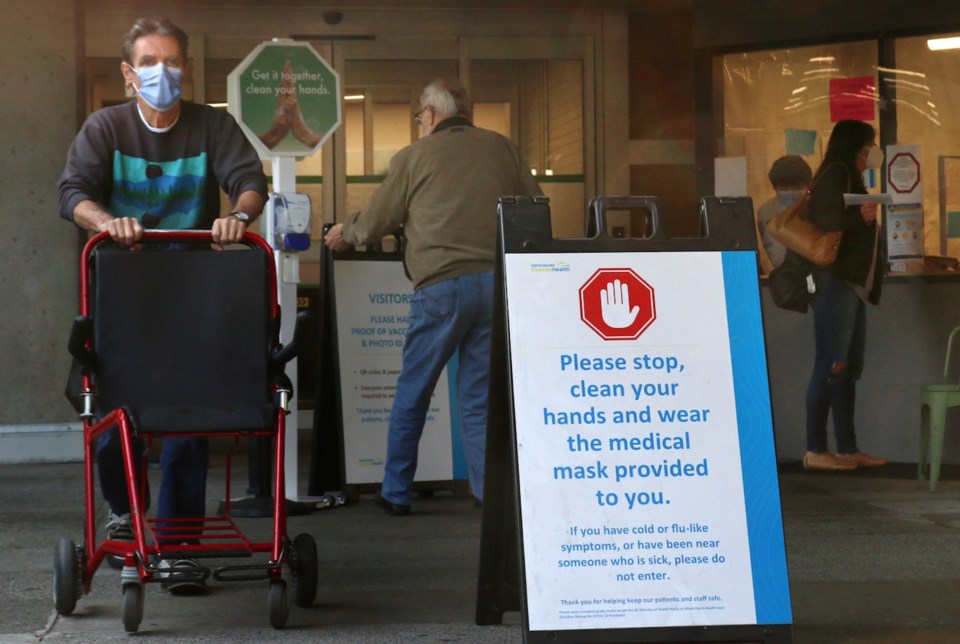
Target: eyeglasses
418, 117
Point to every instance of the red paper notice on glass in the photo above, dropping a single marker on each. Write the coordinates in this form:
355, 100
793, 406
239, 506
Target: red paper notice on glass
852, 98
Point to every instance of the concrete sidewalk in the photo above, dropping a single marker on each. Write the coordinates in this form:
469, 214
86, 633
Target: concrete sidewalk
872, 557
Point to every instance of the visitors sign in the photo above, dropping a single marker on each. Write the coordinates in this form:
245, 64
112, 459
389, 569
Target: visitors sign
372, 303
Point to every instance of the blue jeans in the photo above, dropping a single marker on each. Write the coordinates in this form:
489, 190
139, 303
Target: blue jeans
840, 332
452, 315
183, 487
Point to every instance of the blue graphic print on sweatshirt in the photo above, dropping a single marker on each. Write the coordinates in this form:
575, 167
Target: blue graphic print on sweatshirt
164, 195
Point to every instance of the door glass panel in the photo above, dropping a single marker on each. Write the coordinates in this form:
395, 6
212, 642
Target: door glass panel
785, 101
353, 126
391, 133
927, 85
949, 215
539, 104
380, 124
493, 116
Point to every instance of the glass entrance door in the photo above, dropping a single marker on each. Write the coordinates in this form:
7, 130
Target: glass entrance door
534, 90
381, 97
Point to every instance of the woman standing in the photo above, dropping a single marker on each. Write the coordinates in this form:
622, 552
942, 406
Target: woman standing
842, 291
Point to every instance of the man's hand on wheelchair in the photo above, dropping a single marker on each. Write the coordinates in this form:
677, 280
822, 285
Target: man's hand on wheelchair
123, 230
228, 230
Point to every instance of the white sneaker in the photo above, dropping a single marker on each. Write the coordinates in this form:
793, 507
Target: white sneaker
183, 577
119, 527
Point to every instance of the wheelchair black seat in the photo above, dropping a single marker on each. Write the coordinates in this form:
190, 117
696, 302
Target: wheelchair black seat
183, 339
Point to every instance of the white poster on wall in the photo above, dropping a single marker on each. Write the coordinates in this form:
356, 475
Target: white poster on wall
642, 444
372, 305
730, 176
904, 218
903, 173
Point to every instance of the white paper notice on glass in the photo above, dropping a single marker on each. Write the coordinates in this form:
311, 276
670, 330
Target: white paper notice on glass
850, 199
730, 176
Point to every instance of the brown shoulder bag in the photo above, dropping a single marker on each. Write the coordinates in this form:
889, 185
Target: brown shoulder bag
794, 230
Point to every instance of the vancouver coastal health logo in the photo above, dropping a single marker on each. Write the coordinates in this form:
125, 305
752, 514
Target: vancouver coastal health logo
558, 267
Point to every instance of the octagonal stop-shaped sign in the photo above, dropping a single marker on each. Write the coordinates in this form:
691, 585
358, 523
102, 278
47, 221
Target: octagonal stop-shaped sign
617, 303
903, 172
286, 98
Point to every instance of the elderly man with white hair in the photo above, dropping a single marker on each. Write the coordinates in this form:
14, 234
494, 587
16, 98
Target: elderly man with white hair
443, 190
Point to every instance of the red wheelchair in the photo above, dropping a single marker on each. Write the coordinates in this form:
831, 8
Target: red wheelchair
178, 338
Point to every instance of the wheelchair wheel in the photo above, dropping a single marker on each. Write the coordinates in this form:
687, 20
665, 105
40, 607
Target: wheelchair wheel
303, 569
66, 577
278, 603
131, 606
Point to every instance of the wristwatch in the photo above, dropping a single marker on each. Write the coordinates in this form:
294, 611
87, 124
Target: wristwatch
242, 216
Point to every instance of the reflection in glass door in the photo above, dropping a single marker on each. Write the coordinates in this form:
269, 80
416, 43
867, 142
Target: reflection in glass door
534, 90
381, 98
539, 104
949, 198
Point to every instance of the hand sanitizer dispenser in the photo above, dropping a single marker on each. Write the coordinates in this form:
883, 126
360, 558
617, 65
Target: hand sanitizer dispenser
291, 214
288, 213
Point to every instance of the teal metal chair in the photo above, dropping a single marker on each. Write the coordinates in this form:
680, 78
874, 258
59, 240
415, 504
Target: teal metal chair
936, 399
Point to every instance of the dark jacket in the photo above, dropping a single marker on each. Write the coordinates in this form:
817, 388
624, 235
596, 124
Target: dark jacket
857, 244
168, 180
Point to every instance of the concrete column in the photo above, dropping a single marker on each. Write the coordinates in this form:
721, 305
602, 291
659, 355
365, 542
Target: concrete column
39, 66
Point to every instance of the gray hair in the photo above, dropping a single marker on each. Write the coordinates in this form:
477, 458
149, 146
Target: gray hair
148, 27
447, 97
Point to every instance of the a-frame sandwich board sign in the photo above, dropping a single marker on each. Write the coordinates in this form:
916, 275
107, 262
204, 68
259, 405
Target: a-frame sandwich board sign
631, 485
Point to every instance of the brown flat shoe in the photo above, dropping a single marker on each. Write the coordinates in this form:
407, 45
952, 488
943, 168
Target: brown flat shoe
862, 459
826, 461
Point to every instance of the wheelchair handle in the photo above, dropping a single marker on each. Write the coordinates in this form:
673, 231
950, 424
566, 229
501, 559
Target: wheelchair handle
250, 239
172, 236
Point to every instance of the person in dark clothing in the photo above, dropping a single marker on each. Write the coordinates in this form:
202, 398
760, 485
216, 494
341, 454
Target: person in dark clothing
159, 162
842, 291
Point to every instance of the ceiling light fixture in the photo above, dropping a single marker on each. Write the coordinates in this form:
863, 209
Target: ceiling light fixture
939, 44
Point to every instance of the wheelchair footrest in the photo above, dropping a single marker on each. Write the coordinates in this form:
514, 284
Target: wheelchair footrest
245, 573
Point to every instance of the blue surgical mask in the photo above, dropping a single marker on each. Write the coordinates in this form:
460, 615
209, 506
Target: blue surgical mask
159, 86
787, 198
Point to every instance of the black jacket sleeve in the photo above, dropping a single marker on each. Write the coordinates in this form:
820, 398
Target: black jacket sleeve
235, 161
87, 171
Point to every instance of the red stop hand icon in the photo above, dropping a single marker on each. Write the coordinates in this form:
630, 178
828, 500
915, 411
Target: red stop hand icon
617, 304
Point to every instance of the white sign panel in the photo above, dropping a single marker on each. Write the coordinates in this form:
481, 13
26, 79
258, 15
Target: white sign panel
372, 304
730, 176
646, 467
903, 224
903, 173
905, 231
